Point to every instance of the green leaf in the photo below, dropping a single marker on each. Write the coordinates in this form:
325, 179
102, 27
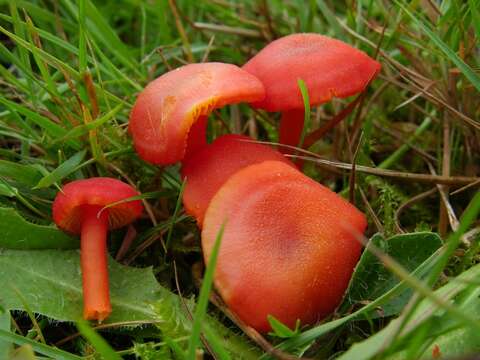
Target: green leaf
455, 343
65, 169
17, 233
5, 346
310, 335
371, 279
372, 346
50, 283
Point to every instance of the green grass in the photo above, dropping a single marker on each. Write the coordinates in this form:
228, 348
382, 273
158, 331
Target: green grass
69, 74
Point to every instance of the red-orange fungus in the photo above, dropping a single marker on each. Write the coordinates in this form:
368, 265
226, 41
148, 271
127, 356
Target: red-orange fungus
167, 108
80, 209
208, 169
288, 248
329, 67
99, 191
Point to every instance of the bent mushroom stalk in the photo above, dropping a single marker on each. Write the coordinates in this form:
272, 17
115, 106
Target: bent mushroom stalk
329, 67
165, 112
80, 208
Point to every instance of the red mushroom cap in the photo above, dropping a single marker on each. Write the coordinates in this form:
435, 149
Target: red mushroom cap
100, 191
165, 111
207, 170
288, 247
329, 67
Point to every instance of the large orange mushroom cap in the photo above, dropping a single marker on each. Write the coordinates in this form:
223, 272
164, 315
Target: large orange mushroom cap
208, 169
288, 248
167, 108
329, 67
100, 191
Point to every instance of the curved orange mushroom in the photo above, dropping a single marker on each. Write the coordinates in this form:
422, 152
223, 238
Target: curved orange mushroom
80, 209
329, 67
288, 248
208, 169
165, 111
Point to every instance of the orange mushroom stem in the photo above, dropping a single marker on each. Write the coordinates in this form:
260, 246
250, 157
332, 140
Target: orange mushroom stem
93, 259
291, 127
80, 209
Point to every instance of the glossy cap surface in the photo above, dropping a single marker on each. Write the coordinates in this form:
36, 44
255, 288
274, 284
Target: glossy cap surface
167, 108
99, 191
329, 67
288, 247
207, 170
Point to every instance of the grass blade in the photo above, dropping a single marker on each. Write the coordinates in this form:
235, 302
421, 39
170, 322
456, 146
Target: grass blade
474, 8
82, 42
306, 105
97, 341
175, 215
65, 169
464, 68
201, 308
43, 349
54, 130
25, 174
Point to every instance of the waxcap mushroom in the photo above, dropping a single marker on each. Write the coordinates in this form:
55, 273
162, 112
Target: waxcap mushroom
288, 248
82, 208
329, 67
165, 111
207, 170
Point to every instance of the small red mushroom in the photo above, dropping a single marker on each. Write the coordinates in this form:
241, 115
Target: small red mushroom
207, 170
80, 209
169, 117
288, 248
329, 67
